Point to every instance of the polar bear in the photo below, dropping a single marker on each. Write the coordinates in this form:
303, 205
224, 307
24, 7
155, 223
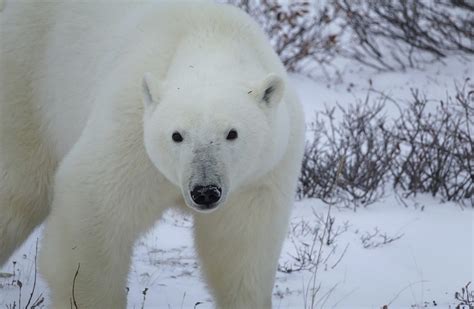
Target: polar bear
113, 112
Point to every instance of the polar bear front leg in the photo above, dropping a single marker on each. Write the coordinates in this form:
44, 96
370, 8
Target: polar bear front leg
103, 201
85, 257
239, 246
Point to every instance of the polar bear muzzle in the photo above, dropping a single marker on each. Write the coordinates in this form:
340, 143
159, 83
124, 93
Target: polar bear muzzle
205, 184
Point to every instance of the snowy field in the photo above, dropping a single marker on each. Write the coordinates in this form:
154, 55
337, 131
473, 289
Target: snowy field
410, 253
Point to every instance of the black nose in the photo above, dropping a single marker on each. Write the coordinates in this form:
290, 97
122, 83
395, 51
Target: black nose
206, 195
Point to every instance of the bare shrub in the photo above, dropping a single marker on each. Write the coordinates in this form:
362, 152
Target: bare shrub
301, 33
428, 149
465, 297
308, 238
316, 249
361, 143
393, 35
35, 300
438, 147
377, 239
385, 35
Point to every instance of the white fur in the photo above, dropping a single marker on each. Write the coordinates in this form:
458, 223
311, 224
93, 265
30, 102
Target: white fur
91, 95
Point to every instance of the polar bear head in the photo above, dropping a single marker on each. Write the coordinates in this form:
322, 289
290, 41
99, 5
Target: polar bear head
214, 140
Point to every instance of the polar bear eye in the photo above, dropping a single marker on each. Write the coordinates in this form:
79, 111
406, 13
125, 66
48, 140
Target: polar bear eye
232, 135
177, 137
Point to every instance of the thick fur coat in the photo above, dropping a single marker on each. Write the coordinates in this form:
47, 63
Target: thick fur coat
111, 113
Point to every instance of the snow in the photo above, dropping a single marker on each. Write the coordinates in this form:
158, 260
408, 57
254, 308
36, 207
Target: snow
432, 260
433, 256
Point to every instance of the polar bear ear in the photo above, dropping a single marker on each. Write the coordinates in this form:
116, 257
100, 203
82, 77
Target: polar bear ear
151, 90
270, 91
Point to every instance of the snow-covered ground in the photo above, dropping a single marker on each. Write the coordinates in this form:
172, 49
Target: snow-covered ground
430, 258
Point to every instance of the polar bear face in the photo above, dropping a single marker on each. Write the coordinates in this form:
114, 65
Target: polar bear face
211, 142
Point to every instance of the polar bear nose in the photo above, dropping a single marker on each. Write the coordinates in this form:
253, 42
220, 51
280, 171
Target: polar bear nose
206, 195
